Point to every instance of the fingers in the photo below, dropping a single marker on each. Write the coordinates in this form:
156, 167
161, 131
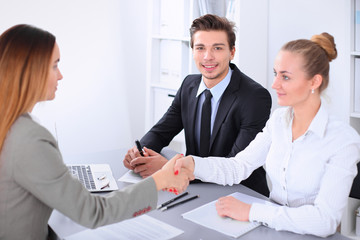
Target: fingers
175, 182
177, 166
128, 159
138, 161
131, 154
150, 152
127, 164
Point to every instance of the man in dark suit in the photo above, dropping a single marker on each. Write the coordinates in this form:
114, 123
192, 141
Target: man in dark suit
238, 107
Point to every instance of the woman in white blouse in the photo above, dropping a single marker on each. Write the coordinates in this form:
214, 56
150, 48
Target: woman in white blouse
309, 155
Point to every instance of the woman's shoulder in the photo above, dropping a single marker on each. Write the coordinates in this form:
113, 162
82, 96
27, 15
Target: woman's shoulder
341, 128
25, 128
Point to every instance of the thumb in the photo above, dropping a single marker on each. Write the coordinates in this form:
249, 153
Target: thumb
149, 152
178, 163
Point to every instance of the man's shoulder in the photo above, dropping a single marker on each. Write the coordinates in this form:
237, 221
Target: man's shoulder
245, 85
245, 79
192, 77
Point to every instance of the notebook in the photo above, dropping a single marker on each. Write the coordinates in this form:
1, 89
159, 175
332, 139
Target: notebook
95, 177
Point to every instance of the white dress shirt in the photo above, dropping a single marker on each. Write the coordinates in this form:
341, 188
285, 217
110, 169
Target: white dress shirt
216, 92
311, 177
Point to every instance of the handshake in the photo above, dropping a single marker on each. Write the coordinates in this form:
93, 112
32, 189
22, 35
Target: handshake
175, 175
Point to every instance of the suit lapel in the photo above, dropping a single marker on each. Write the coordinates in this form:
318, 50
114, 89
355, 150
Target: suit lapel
226, 102
193, 101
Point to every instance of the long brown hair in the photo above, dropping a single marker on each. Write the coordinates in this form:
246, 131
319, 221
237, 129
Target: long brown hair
25, 53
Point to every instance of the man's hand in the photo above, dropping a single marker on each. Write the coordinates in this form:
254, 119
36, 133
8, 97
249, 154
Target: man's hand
149, 164
131, 155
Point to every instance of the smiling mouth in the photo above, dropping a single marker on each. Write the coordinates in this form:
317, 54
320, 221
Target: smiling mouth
209, 67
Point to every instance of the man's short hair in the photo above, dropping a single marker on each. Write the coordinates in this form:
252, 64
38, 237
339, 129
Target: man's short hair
211, 22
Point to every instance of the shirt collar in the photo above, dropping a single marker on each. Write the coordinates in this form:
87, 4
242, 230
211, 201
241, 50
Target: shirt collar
218, 89
318, 124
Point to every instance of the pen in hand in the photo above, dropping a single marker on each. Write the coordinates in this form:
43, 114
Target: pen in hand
175, 204
138, 145
172, 200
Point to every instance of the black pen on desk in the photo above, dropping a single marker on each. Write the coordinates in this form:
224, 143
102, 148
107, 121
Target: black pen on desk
172, 200
175, 204
138, 145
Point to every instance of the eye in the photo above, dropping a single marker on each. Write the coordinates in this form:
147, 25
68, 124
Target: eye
218, 48
285, 77
275, 73
199, 48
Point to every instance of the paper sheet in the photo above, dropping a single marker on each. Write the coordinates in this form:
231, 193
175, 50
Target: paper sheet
143, 227
207, 216
130, 177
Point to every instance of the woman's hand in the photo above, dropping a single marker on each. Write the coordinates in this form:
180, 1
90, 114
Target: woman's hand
184, 163
231, 207
173, 180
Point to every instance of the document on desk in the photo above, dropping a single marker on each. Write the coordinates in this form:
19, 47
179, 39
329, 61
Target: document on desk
143, 227
207, 216
130, 177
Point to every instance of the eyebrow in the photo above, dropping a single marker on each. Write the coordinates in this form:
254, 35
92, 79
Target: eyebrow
282, 72
215, 44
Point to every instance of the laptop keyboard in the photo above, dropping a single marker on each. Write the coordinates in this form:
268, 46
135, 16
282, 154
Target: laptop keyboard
84, 174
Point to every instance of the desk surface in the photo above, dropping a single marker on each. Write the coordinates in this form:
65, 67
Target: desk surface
208, 192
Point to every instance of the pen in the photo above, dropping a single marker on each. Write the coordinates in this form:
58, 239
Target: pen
106, 184
172, 200
138, 145
175, 204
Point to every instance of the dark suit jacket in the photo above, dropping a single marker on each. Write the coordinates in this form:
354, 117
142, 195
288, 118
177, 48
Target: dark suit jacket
243, 111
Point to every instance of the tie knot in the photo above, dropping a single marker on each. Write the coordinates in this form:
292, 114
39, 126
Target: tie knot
208, 94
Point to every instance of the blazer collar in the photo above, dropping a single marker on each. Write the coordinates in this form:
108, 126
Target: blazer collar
227, 100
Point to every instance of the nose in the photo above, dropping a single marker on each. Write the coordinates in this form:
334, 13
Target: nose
60, 76
276, 83
208, 54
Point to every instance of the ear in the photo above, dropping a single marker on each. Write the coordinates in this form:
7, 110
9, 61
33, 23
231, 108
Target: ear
316, 81
232, 53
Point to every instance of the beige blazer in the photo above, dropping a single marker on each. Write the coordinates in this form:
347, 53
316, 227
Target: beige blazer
34, 181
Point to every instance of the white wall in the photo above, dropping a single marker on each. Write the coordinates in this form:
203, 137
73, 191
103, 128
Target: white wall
102, 43
252, 41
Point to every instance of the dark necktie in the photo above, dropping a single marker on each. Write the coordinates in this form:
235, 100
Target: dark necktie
205, 127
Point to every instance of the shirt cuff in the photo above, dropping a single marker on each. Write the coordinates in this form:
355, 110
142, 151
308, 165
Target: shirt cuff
201, 168
262, 214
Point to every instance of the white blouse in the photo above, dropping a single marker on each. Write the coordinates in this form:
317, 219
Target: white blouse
311, 177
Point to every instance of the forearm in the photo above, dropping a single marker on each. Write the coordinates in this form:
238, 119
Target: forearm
307, 219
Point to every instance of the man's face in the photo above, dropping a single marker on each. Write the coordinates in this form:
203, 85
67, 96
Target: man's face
212, 55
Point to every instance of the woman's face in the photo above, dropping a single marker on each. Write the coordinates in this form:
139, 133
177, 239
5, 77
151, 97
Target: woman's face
54, 73
292, 85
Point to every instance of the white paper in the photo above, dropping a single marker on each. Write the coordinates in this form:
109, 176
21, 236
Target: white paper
143, 227
130, 177
207, 216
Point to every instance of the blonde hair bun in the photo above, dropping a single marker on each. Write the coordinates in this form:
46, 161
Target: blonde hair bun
326, 42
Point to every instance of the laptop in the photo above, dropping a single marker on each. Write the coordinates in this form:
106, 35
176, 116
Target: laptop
94, 177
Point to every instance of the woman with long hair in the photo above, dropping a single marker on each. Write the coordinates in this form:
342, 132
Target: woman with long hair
33, 178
